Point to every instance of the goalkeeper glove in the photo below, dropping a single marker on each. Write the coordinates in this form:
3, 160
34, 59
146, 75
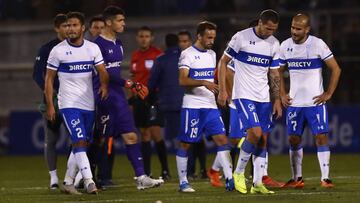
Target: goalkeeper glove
137, 88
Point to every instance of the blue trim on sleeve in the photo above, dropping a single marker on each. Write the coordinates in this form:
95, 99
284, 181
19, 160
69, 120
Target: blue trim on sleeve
328, 56
230, 51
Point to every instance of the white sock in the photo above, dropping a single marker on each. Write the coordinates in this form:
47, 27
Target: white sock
324, 162
84, 166
225, 161
266, 165
53, 177
216, 166
296, 157
242, 161
181, 163
71, 170
259, 165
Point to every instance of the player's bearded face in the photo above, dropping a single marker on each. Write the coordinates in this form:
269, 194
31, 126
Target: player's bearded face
208, 39
267, 29
76, 29
299, 31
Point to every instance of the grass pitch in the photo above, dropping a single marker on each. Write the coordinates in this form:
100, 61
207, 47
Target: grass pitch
25, 179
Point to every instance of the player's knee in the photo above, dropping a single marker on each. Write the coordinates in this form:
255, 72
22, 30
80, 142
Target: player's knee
234, 141
184, 146
130, 138
321, 140
294, 140
80, 144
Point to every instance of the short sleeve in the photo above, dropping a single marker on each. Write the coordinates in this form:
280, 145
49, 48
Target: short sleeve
282, 59
231, 65
53, 62
233, 46
275, 56
324, 51
98, 58
184, 60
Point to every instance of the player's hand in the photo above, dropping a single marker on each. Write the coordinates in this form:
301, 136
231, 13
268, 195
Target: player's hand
277, 109
285, 100
214, 88
50, 113
137, 88
222, 97
104, 92
322, 98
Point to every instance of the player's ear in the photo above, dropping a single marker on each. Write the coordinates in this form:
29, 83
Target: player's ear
307, 30
108, 22
83, 28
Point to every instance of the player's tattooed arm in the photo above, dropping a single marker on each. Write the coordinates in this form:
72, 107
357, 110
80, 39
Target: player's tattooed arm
274, 82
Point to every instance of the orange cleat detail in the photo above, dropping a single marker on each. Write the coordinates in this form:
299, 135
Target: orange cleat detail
214, 178
299, 183
327, 183
269, 182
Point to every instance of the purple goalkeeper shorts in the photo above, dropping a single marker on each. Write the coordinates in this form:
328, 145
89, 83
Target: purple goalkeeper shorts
113, 117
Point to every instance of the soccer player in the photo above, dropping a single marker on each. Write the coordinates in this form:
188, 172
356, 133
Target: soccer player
52, 129
199, 113
255, 52
96, 25
148, 118
73, 60
113, 116
304, 55
185, 39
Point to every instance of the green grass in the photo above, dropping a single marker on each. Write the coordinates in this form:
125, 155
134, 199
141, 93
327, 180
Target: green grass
25, 179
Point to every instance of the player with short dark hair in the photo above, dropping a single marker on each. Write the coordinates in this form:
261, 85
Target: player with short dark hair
114, 117
199, 113
74, 60
96, 25
185, 39
148, 118
255, 52
52, 129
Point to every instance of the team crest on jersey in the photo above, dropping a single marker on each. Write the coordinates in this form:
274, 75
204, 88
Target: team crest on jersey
149, 64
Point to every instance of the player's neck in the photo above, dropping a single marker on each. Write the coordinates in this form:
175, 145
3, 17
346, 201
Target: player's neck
143, 49
303, 40
76, 42
198, 46
109, 34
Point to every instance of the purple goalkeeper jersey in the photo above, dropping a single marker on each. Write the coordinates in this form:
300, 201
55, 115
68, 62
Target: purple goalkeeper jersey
112, 52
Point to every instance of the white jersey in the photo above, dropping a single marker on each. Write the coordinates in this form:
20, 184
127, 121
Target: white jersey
304, 62
253, 56
201, 65
74, 65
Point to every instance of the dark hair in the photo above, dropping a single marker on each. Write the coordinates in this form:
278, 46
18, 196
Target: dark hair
171, 40
269, 15
59, 19
145, 28
77, 15
184, 32
202, 26
96, 18
111, 11
254, 23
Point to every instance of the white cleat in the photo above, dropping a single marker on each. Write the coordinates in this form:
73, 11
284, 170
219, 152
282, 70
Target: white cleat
91, 189
145, 182
185, 187
70, 189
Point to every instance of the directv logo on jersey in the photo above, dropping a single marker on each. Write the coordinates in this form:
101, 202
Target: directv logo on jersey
209, 73
300, 64
80, 67
113, 64
258, 60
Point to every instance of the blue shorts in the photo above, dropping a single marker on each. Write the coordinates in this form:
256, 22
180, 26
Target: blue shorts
236, 128
315, 116
255, 114
113, 117
195, 122
80, 123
